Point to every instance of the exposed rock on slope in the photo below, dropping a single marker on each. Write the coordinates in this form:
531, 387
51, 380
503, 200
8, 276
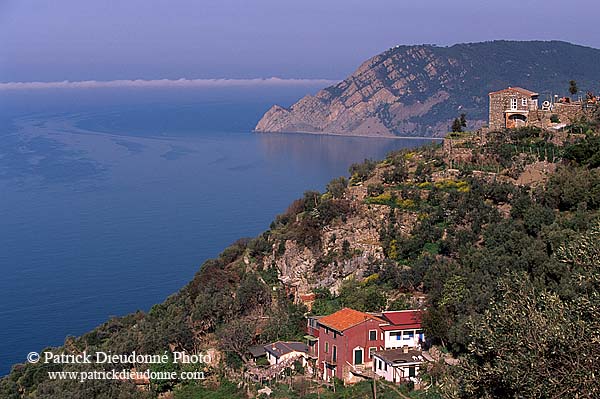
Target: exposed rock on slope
418, 90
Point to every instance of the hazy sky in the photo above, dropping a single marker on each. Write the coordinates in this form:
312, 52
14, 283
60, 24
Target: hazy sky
50, 40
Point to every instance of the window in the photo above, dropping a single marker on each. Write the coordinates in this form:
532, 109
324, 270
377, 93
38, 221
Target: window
524, 102
371, 351
408, 335
334, 335
385, 366
412, 371
334, 355
372, 335
396, 335
326, 347
513, 103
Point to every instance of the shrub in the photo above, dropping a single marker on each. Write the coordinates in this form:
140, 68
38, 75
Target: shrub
337, 187
361, 171
374, 190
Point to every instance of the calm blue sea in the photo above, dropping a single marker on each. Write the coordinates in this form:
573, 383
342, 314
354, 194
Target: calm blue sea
111, 199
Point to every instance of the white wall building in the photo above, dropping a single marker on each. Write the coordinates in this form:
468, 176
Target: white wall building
394, 339
398, 365
403, 329
280, 351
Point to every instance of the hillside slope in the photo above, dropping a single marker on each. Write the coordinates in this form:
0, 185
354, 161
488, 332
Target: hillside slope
418, 90
451, 227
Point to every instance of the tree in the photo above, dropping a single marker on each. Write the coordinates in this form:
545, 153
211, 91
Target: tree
457, 126
252, 294
362, 171
533, 343
463, 120
573, 89
164, 385
346, 248
286, 321
337, 187
362, 296
236, 336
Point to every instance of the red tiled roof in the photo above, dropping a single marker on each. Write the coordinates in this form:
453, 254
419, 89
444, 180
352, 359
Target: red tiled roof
403, 318
392, 327
518, 89
346, 318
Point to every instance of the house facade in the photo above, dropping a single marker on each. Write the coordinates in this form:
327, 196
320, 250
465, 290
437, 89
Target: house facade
344, 343
402, 329
347, 340
511, 108
280, 352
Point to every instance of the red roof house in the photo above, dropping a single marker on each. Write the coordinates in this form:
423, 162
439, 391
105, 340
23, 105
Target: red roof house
347, 340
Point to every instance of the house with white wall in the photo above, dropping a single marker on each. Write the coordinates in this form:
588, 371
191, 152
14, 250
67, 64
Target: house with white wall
402, 328
280, 351
398, 365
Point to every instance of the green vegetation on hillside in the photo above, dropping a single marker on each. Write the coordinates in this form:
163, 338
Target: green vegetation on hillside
509, 273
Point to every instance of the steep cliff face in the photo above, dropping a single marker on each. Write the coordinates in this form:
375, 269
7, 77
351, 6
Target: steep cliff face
326, 265
418, 90
298, 266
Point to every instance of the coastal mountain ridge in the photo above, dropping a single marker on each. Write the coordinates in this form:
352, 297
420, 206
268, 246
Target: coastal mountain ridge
418, 90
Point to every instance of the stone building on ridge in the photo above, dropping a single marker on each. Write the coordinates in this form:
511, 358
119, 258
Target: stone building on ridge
511, 108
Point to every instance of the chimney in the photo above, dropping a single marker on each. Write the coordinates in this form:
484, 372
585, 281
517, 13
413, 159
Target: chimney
405, 349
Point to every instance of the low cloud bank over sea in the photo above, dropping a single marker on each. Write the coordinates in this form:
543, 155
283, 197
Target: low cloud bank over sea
90, 84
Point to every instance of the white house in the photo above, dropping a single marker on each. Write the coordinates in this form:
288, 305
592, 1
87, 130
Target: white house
402, 328
280, 351
398, 365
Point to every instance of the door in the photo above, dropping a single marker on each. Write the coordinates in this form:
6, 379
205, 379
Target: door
516, 121
358, 356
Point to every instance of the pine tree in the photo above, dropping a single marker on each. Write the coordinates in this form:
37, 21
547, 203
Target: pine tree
457, 126
573, 89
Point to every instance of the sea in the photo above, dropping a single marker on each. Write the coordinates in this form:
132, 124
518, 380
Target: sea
112, 198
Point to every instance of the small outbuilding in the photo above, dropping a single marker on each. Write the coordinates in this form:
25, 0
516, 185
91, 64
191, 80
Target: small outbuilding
257, 351
398, 365
281, 351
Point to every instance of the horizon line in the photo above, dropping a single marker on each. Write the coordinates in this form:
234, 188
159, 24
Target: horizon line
182, 82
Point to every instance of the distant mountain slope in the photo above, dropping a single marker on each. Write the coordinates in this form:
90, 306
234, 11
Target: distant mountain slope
418, 90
